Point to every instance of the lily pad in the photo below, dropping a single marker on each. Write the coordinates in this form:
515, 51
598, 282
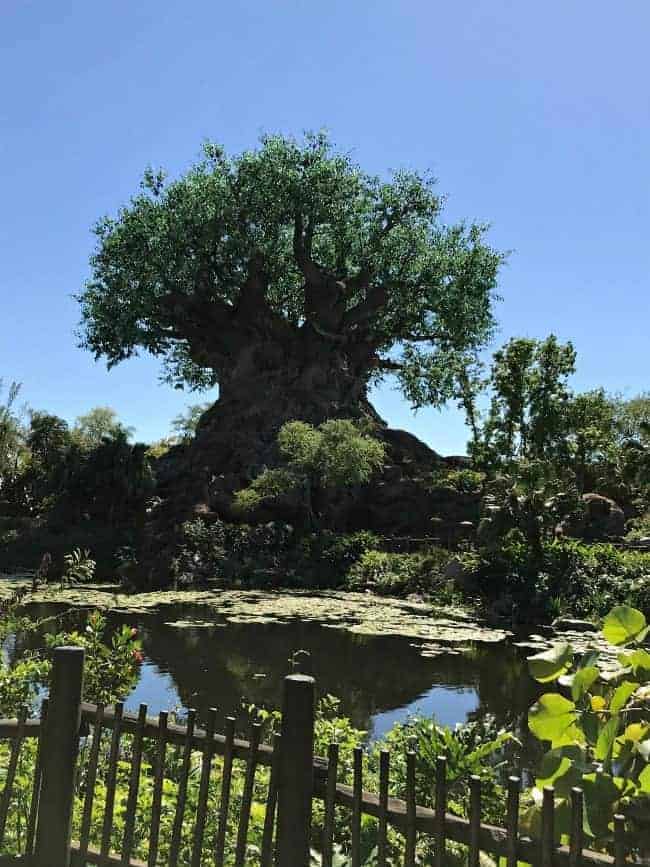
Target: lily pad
360, 613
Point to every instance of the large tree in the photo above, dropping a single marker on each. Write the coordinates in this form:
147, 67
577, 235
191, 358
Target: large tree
291, 279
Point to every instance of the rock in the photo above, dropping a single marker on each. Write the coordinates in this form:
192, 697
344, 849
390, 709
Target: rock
456, 573
571, 624
489, 532
602, 518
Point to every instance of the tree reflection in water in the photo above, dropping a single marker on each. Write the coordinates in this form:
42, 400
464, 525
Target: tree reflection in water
379, 679
219, 666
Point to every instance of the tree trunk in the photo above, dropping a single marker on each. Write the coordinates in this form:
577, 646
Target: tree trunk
269, 385
237, 437
309, 380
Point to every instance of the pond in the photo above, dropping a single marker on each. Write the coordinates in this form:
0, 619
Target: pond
380, 680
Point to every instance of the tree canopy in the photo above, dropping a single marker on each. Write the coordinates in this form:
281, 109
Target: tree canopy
98, 424
290, 241
12, 435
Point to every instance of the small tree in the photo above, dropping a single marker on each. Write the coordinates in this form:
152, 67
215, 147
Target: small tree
184, 425
336, 454
13, 449
527, 414
99, 424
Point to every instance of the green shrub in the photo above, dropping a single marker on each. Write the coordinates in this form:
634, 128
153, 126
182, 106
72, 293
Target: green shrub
463, 481
328, 557
597, 728
638, 528
263, 553
571, 576
79, 567
25, 549
398, 574
218, 551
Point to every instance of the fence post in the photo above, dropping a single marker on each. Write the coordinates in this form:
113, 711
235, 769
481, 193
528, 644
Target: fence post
59, 751
296, 772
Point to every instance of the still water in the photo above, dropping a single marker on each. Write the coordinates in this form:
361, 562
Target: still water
379, 680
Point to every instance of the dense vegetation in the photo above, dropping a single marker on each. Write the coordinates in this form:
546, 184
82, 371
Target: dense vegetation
555, 481
295, 280
595, 726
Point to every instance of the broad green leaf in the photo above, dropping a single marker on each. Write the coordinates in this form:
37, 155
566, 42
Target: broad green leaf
624, 624
606, 738
621, 695
558, 769
583, 679
550, 664
590, 723
638, 661
553, 718
589, 658
601, 794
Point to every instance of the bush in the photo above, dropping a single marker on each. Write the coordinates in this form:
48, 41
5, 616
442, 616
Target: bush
571, 577
79, 567
228, 552
24, 549
596, 727
398, 574
328, 557
267, 553
638, 528
464, 481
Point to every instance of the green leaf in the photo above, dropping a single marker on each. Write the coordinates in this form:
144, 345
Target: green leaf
558, 769
638, 661
620, 697
551, 664
553, 718
582, 680
624, 624
589, 658
636, 732
606, 738
601, 794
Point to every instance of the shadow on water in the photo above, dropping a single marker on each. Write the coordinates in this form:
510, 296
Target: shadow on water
379, 679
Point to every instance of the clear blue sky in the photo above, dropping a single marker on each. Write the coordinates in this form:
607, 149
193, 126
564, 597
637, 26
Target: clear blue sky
534, 116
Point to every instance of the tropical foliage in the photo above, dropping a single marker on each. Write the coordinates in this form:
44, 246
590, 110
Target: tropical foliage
336, 454
598, 728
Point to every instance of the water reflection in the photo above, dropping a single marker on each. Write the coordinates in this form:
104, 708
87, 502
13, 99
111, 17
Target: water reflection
378, 679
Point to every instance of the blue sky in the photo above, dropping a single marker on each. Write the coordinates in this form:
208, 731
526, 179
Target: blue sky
534, 117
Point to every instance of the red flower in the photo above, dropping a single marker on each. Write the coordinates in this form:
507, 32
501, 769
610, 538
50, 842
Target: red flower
138, 656
134, 632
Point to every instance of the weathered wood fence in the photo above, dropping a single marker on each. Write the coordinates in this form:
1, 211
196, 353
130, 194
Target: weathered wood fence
295, 778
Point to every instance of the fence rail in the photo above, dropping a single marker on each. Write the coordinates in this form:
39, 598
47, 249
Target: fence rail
82, 749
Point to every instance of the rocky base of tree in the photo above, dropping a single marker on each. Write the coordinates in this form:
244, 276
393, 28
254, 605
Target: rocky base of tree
199, 480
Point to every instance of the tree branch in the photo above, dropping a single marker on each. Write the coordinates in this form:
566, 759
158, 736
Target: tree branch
424, 338
365, 310
388, 364
302, 250
252, 295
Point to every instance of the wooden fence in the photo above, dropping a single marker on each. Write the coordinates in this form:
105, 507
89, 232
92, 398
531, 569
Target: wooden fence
79, 751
